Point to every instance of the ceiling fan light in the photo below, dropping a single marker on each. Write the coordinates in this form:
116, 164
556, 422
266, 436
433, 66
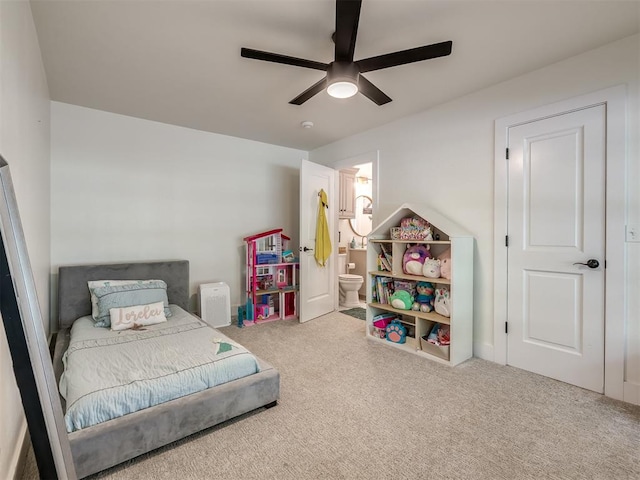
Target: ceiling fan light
342, 89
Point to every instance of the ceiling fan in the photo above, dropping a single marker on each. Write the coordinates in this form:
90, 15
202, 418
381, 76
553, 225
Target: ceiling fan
344, 76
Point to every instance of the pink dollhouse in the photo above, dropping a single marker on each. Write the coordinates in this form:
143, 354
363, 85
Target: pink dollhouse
271, 279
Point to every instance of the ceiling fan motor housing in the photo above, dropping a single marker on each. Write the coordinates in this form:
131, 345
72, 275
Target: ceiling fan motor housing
342, 72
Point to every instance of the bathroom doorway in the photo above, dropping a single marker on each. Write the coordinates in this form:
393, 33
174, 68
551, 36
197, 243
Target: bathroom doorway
352, 233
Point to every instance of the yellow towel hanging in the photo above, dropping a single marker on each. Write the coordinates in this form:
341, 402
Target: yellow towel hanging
323, 240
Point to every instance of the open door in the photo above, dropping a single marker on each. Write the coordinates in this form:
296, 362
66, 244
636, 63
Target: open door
317, 284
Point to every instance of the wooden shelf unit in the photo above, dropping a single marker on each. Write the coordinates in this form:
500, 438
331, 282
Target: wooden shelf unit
460, 322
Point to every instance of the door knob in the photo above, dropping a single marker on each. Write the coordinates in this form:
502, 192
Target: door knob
591, 263
305, 249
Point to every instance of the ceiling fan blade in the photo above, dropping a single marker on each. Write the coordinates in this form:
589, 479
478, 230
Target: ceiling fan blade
347, 17
405, 56
277, 58
372, 92
310, 92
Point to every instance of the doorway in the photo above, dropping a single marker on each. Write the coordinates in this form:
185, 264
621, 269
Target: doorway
552, 317
319, 286
366, 208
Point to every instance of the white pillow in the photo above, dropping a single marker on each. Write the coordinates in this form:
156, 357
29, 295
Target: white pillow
138, 315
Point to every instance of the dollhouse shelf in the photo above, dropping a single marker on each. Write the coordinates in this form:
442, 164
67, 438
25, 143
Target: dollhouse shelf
271, 279
276, 290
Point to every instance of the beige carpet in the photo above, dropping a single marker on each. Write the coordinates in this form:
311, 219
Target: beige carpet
350, 409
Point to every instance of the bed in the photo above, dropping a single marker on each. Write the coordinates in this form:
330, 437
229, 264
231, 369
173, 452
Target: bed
100, 443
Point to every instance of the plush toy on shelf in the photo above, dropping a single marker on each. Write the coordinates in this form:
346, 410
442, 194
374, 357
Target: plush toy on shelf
396, 332
431, 268
414, 258
401, 299
445, 264
442, 303
424, 299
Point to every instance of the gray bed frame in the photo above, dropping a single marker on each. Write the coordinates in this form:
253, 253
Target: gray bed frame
115, 441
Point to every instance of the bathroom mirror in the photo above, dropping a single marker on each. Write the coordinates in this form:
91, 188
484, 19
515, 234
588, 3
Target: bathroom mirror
362, 223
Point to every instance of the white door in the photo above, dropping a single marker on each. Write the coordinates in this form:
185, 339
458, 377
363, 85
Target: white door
317, 284
556, 223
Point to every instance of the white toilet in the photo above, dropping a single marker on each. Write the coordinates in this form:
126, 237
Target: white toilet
348, 284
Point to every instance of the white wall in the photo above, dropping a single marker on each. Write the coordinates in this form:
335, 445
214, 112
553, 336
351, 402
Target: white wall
126, 189
24, 143
444, 157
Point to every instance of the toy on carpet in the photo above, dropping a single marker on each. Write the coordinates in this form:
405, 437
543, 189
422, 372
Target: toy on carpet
442, 303
401, 300
414, 258
431, 268
445, 264
424, 299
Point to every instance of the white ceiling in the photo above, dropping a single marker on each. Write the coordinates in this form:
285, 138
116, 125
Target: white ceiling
178, 61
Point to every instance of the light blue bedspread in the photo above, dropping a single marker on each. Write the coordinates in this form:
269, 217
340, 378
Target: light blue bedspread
109, 374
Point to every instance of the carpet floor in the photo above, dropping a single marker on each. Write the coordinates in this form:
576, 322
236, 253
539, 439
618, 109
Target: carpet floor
352, 409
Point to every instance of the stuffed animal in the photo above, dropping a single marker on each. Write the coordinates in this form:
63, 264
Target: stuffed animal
442, 303
414, 258
445, 264
425, 297
396, 332
431, 268
429, 235
401, 299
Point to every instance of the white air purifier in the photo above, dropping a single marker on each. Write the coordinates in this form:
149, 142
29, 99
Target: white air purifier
215, 304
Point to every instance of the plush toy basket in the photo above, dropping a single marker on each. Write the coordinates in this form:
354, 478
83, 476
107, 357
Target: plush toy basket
441, 351
414, 228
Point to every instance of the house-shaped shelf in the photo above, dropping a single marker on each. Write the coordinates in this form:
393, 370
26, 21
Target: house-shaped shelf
447, 234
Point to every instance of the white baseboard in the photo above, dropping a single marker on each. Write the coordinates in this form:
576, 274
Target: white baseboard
483, 351
631, 393
19, 457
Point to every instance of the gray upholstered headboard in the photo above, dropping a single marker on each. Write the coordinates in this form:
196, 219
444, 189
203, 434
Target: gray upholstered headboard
74, 300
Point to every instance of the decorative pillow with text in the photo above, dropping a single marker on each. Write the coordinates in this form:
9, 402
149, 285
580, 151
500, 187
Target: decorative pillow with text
137, 316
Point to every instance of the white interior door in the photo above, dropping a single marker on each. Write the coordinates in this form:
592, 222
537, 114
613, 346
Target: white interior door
556, 223
317, 284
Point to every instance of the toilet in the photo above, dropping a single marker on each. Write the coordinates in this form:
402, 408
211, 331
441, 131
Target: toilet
348, 284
